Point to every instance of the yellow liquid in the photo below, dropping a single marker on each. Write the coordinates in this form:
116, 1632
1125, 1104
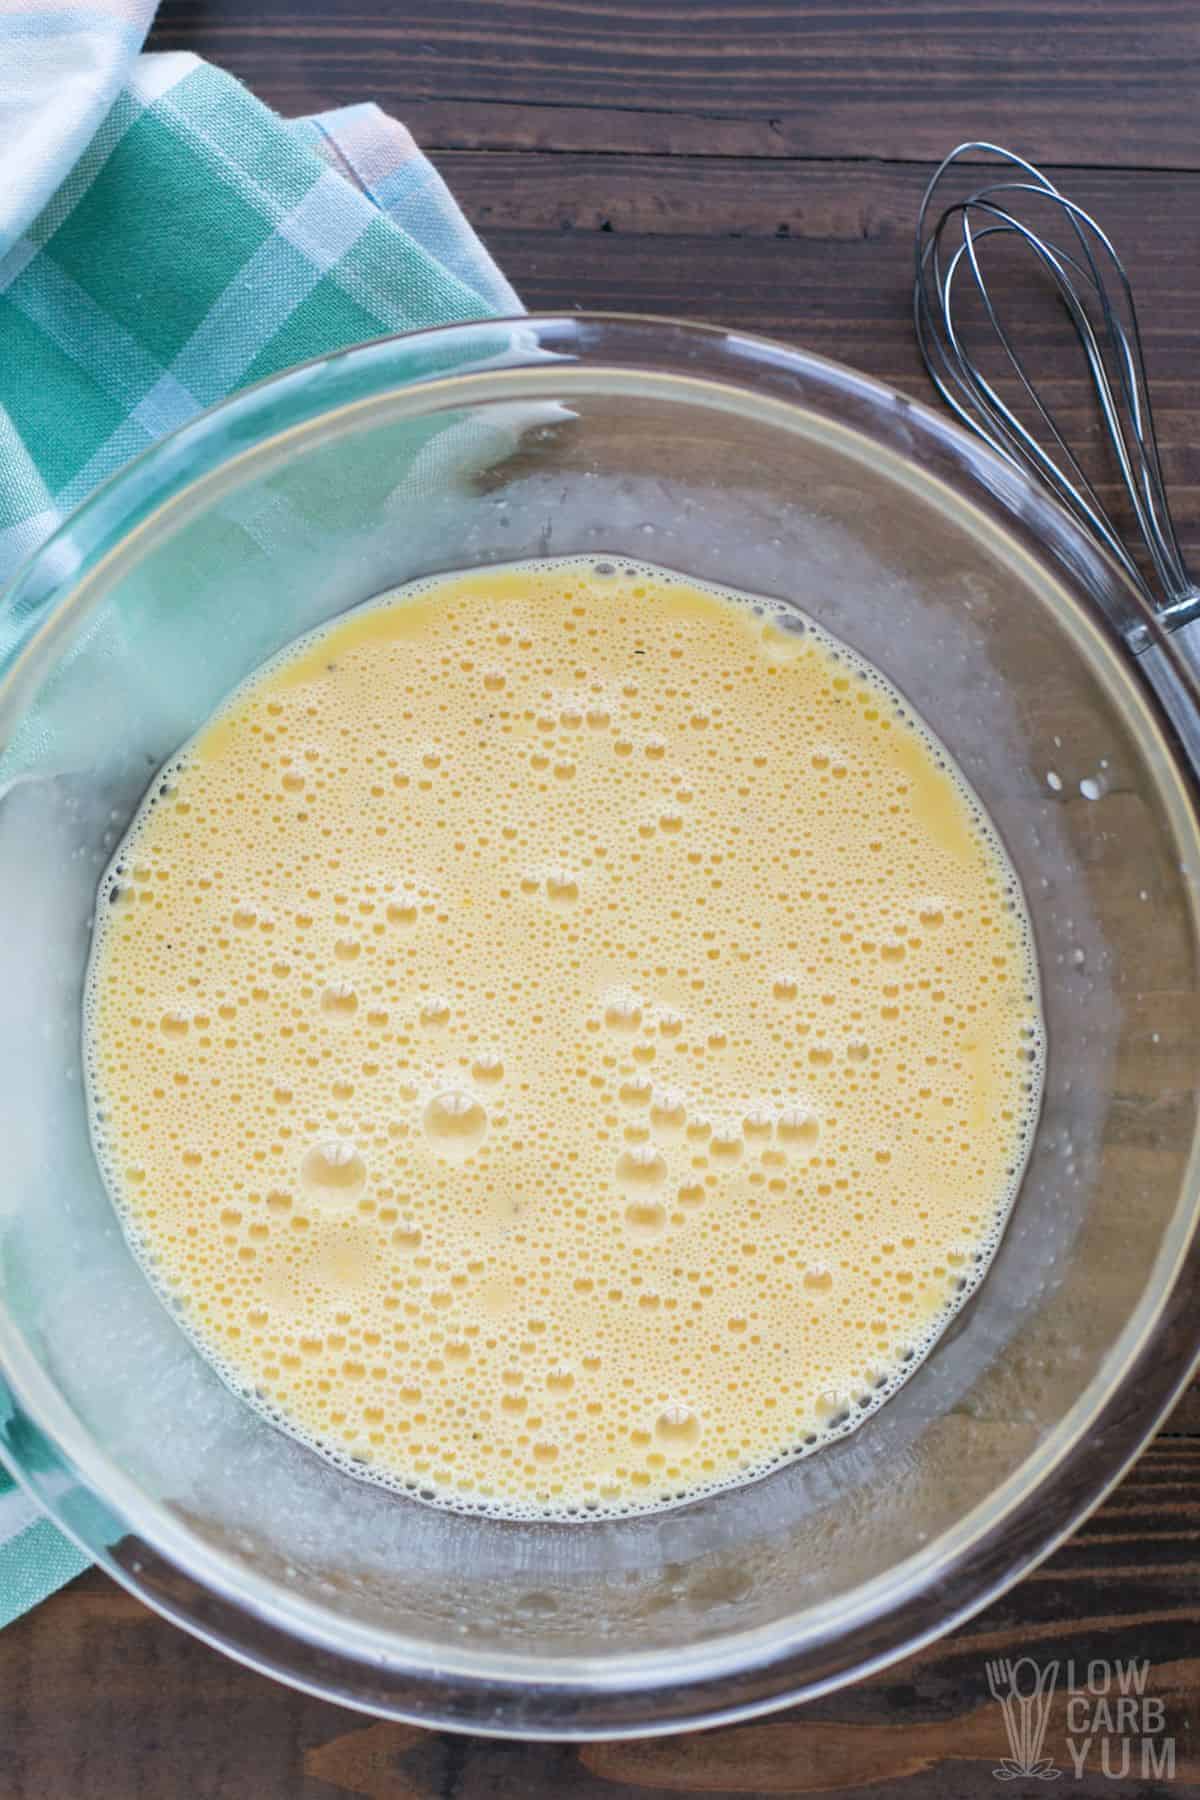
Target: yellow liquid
567, 1039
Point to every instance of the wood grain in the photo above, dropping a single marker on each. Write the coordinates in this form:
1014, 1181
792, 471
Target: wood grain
822, 255
756, 162
1063, 81
103, 1701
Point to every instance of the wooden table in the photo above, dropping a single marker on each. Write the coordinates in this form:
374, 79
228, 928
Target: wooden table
757, 162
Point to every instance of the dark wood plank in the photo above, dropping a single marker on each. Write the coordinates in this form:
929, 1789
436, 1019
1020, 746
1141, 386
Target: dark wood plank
821, 255
104, 1701
1064, 80
1185, 1420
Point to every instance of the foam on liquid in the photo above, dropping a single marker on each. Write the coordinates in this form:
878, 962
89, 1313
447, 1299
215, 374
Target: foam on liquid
563, 1038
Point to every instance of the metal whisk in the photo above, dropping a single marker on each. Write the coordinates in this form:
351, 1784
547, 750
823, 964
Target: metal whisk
952, 248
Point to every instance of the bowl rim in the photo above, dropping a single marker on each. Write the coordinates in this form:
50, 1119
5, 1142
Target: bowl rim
754, 1671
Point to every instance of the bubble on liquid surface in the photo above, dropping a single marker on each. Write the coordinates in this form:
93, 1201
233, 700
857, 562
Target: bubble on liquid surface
545, 1041
668, 1113
455, 1120
333, 1172
677, 1424
562, 887
641, 1167
623, 1015
797, 1125
339, 1000
646, 1218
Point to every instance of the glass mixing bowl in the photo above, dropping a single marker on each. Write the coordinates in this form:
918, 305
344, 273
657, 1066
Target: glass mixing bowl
743, 462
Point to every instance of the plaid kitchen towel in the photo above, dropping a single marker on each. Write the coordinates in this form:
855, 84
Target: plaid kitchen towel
200, 243
165, 239
35, 1558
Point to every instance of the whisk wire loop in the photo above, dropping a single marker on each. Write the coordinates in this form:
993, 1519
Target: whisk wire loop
1094, 287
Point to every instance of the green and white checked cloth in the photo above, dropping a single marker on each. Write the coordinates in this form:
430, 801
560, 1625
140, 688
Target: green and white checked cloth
35, 1557
198, 244
165, 239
